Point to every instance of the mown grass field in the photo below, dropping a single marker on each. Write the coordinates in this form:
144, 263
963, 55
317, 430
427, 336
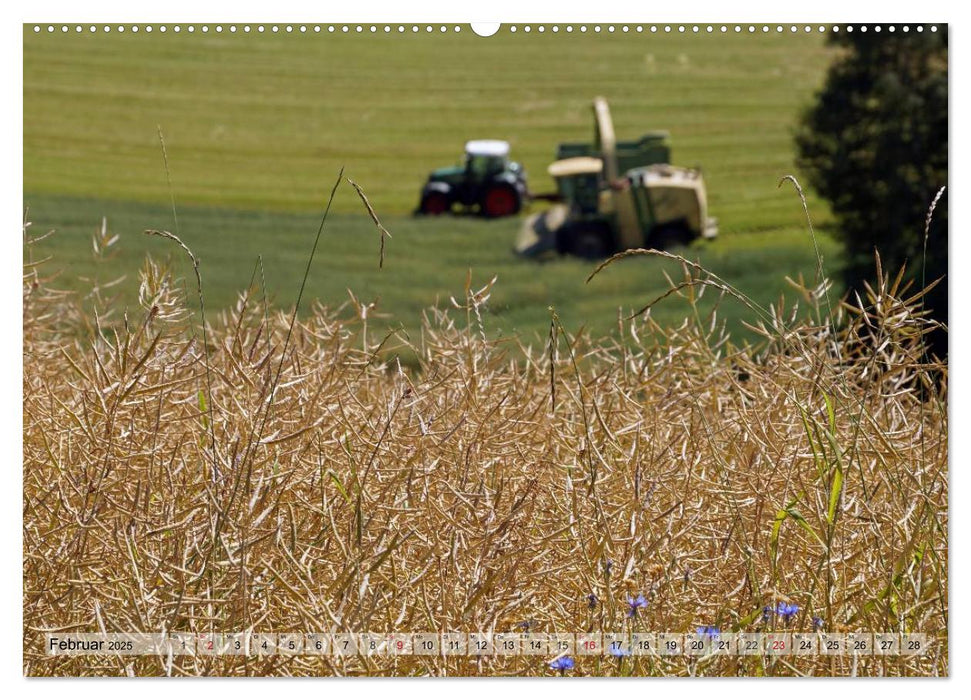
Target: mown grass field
256, 128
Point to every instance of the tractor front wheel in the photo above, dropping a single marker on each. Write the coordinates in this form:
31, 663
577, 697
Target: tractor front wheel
500, 200
434, 204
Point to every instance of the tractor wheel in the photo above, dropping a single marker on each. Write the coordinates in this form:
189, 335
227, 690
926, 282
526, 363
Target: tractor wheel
589, 242
668, 237
500, 200
434, 204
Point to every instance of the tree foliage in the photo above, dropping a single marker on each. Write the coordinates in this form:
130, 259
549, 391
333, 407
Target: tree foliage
875, 145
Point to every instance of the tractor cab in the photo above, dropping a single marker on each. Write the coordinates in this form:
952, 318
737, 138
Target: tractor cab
484, 158
487, 183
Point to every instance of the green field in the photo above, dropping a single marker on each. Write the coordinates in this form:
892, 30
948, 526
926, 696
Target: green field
257, 127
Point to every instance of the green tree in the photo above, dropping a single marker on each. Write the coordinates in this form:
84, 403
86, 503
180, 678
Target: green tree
875, 145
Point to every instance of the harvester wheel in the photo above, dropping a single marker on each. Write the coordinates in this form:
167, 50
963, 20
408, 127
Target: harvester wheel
585, 241
668, 237
500, 200
434, 204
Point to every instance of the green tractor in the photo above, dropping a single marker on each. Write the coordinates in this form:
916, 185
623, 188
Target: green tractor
488, 183
615, 196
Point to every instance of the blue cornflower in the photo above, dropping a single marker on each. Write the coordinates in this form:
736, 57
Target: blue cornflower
708, 631
592, 601
787, 611
634, 603
767, 613
562, 664
818, 624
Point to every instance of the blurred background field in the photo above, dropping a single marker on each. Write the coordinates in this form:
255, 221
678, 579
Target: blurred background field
257, 127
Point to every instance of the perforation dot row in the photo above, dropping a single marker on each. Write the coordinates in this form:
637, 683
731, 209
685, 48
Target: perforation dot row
259, 28
723, 28
401, 29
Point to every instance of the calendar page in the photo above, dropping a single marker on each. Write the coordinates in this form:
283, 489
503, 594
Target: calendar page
553, 349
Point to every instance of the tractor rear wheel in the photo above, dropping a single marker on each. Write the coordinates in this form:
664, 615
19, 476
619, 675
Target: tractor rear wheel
587, 241
434, 204
668, 237
500, 200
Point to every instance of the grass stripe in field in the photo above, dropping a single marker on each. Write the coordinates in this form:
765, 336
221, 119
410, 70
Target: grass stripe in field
427, 260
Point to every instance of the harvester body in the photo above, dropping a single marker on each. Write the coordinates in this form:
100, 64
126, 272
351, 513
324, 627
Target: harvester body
618, 195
